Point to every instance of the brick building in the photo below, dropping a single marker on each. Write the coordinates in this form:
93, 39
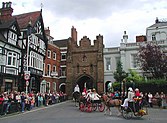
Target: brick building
84, 63
51, 67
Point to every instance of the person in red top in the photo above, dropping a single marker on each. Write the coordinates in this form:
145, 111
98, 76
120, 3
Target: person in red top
137, 92
1, 99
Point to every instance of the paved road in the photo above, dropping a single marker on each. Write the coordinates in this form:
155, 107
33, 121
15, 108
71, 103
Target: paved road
66, 112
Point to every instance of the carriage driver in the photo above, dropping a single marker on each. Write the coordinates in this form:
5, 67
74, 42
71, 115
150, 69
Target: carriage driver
130, 97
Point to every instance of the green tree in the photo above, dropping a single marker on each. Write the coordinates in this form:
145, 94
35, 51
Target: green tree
153, 60
134, 76
120, 74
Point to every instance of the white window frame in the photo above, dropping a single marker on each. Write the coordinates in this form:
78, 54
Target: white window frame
108, 66
49, 53
54, 56
13, 60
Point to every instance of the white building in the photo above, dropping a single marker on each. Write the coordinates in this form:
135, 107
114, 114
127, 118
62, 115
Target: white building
127, 52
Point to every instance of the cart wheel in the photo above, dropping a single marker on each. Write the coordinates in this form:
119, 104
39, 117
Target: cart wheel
127, 112
89, 107
94, 106
82, 106
101, 107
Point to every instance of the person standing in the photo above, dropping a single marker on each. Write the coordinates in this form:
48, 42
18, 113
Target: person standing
23, 98
150, 96
158, 98
163, 99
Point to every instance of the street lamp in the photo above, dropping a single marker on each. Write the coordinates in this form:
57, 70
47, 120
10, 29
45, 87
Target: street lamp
27, 73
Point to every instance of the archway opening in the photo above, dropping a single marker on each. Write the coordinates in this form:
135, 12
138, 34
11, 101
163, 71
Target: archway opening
108, 86
85, 81
62, 87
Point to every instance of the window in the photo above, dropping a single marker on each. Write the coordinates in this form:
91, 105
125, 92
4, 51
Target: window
36, 60
54, 68
153, 37
63, 71
134, 61
54, 56
49, 54
12, 59
48, 70
63, 56
108, 63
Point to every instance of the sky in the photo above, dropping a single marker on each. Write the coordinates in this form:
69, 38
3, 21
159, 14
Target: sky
109, 18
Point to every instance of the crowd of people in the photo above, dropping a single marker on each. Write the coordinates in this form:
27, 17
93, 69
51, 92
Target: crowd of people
20, 101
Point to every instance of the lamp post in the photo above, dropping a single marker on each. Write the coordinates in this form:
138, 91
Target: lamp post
27, 73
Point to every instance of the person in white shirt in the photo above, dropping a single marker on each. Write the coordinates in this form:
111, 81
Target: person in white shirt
95, 95
150, 96
77, 89
130, 97
89, 95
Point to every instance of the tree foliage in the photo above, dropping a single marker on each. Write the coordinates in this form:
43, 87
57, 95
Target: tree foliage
119, 74
134, 76
153, 60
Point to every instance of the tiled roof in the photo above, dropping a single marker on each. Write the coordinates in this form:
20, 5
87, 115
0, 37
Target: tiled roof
61, 43
4, 24
24, 19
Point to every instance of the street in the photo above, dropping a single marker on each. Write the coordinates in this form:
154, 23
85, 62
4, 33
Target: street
66, 112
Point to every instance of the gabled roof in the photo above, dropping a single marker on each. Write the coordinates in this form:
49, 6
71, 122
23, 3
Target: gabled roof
61, 43
7, 23
24, 19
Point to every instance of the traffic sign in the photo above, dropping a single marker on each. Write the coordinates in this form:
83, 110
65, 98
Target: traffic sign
27, 83
26, 76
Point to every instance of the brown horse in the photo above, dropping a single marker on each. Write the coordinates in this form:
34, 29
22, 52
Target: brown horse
109, 102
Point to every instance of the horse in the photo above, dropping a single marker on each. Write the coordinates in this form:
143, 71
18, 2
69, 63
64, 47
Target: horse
76, 97
109, 102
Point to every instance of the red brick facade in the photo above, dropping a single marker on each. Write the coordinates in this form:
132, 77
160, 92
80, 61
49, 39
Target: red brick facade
84, 63
51, 75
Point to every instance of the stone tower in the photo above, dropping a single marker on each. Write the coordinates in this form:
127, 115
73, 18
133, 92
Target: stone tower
84, 63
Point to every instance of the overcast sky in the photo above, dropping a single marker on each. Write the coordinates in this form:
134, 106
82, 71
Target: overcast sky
109, 18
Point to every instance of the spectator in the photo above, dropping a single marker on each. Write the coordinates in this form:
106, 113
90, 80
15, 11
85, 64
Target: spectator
1, 104
158, 98
163, 99
23, 97
150, 96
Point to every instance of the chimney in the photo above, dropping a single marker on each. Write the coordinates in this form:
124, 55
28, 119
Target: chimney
125, 37
73, 34
141, 38
6, 10
47, 31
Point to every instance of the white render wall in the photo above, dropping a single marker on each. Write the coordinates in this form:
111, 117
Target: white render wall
160, 33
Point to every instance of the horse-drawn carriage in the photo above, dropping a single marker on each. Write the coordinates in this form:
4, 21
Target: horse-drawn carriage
135, 108
91, 105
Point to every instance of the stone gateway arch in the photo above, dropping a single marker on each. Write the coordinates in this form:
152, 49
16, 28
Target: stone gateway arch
84, 63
